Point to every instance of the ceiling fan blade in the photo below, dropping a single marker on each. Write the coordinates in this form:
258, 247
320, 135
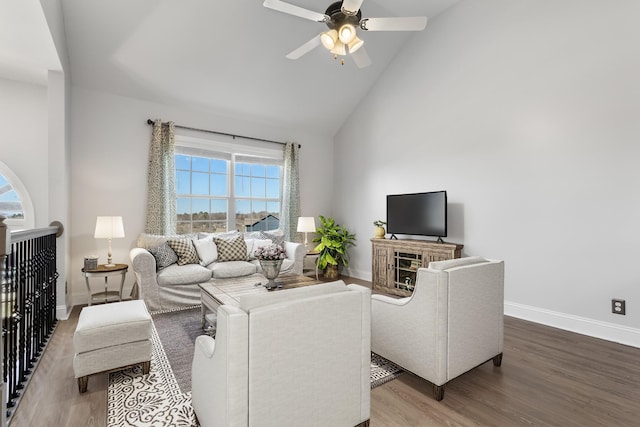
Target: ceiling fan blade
361, 58
413, 23
352, 6
305, 48
291, 9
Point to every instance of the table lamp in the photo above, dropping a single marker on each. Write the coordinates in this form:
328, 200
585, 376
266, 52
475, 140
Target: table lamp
306, 224
109, 227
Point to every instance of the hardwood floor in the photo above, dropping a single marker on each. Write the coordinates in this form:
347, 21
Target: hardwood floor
548, 377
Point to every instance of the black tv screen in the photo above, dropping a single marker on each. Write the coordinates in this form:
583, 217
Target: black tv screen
423, 214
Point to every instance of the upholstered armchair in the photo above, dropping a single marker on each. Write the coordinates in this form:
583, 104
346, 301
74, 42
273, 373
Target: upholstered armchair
287, 358
452, 323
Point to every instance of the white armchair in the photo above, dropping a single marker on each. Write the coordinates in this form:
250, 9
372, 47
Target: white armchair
452, 323
288, 358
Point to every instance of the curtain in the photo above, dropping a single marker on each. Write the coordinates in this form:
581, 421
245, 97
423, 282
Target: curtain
161, 189
290, 210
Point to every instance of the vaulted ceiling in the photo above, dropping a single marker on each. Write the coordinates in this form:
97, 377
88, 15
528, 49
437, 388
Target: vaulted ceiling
225, 56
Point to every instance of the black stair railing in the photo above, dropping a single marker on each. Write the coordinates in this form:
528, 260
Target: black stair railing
28, 279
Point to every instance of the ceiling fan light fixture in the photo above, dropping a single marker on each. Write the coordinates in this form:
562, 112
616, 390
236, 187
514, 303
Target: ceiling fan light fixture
347, 33
339, 49
329, 39
355, 44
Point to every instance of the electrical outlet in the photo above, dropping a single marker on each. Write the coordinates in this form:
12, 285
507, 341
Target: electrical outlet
618, 306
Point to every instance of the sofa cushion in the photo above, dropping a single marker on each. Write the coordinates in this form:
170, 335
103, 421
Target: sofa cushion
234, 249
223, 270
206, 249
183, 275
164, 255
184, 249
258, 243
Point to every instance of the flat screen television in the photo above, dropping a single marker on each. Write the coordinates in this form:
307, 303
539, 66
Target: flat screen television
421, 214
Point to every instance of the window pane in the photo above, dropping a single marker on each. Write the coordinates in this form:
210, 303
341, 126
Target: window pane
183, 227
183, 162
273, 171
273, 208
258, 187
200, 164
243, 186
243, 169
200, 209
273, 188
219, 209
218, 166
183, 182
183, 206
199, 183
257, 170
259, 209
218, 185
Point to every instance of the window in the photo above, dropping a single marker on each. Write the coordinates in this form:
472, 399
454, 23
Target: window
15, 203
218, 191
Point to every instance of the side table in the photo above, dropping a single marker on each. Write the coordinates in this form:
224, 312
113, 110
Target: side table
105, 271
309, 264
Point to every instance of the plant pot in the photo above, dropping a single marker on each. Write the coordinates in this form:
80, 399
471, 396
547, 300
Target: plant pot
331, 272
379, 232
271, 269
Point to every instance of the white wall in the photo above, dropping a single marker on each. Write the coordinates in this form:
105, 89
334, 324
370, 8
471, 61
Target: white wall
109, 155
24, 143
526, 113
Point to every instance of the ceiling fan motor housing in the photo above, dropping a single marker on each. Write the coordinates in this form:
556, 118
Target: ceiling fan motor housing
339, 18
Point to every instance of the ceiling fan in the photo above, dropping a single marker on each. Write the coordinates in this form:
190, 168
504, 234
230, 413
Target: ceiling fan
343, 18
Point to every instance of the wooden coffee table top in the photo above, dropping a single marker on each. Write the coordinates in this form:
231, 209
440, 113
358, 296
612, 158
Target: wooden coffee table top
228, 291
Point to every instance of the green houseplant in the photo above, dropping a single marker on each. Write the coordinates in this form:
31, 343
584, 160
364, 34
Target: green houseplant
333, 242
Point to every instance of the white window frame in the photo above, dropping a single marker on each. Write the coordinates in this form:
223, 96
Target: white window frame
223, 147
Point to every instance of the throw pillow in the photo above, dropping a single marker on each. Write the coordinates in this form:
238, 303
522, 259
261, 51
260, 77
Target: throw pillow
276, 236
234, 249
164, 255
206, 249
259, 243
184, 249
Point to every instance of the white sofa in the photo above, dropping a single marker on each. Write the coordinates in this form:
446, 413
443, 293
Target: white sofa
288, 358
176, 286
453, 322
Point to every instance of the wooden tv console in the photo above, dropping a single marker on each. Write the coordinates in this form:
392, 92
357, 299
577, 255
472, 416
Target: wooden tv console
395, 263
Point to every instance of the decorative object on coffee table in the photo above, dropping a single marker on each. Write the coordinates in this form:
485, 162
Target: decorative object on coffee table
270, 258
379, 230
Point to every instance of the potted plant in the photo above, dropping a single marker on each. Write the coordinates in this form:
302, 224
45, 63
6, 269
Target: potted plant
379, 230
333, 242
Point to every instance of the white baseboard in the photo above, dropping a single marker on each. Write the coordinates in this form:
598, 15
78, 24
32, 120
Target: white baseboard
61, 312
581, 325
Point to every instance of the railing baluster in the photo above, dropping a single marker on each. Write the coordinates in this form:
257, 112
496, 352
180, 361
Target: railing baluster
28, 279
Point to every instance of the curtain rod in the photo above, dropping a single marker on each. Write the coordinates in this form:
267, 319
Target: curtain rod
150, 122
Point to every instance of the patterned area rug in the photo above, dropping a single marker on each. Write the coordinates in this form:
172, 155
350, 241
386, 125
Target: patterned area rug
163, 398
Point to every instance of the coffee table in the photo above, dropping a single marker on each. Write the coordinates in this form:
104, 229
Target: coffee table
217, 292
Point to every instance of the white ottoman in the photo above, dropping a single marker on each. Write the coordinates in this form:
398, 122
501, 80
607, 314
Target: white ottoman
111, 337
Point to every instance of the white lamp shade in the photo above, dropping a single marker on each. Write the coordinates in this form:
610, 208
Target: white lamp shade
306, 224
109, 227
329, 39
347, 33
355, 44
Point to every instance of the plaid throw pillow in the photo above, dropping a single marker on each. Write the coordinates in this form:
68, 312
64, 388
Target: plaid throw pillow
164, 255
234, 249
184, 249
